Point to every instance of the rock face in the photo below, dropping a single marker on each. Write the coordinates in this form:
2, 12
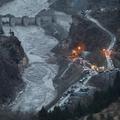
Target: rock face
67, 77
110, 19
92, 36
110, 113
103, 3
94, 39
73, 6
11, 55
103, 81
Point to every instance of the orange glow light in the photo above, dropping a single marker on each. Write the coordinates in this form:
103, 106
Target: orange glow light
74, 52
77, 50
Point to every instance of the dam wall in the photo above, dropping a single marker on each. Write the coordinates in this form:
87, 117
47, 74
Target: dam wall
25, 20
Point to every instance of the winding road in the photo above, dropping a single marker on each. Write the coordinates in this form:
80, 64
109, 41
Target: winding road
110, 64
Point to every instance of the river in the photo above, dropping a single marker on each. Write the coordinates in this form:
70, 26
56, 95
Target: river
39, 90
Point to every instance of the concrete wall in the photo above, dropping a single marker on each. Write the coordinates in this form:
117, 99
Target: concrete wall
5, 20
25, 20
21, 21
37, 21
13, 21
32, 21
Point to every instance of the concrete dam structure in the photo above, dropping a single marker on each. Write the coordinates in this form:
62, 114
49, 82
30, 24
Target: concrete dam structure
25, 20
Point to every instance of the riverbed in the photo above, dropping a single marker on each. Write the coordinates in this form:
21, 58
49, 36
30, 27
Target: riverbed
39, 90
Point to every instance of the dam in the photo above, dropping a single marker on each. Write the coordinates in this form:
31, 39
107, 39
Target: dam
11, 20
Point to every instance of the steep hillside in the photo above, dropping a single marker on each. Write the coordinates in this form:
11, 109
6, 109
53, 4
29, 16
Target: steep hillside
12, 59
110, 113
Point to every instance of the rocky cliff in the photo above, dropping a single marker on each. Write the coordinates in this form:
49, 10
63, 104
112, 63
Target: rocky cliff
11, 60
110, 113
104, 80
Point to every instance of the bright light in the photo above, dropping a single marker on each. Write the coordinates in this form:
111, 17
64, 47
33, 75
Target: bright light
79, 48
104, 50
101, 69
93, 67
107, 53
74, 52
